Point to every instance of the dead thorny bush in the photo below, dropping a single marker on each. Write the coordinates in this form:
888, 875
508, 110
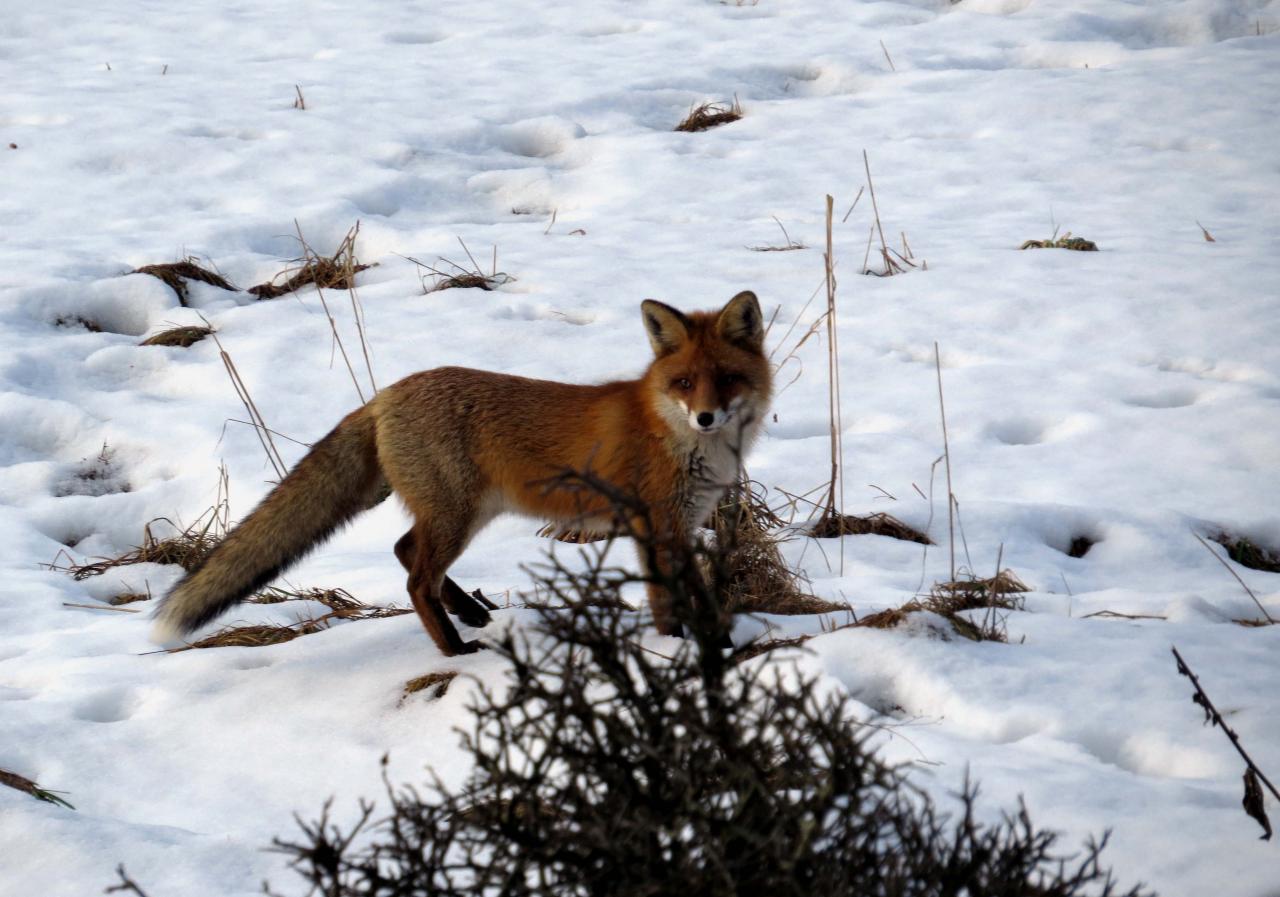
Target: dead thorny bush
605, 768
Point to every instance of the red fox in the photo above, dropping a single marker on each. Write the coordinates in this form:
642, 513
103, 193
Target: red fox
461, 446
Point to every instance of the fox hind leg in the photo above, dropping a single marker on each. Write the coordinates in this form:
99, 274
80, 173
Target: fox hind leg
427, 553
456, 601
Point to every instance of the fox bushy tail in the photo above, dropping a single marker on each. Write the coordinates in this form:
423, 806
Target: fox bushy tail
336, 480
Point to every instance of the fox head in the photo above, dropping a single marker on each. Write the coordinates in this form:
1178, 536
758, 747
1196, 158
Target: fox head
710, 372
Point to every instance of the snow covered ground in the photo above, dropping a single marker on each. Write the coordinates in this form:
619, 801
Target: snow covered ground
1130, 396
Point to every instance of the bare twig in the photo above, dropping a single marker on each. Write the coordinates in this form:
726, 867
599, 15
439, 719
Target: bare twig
833, 510
853, 204
126, 884
123, 610
889, 58
357, 307
259, 424
946, 454
346, 250
1253, 775
884, 246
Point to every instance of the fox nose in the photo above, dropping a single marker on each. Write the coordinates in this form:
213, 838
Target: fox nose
706, 418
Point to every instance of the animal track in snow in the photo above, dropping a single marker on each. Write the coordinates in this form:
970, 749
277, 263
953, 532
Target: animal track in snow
413, 37
1163, 398
538, 138
251, 662
110, 706
1017, 431
1028, 430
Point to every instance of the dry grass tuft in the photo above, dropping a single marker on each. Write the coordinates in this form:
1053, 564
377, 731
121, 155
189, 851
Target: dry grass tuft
890, 617
186, 549
754, 576
341, 603
436, 684
950, 600
895, 262
176, 274
452, 276
182, 337
343, 607
1079, 244
832, 525
789, 244
969, 594
257, 636
25, 785
128, 598
710, 115
1248, 553
764, 646
333, 272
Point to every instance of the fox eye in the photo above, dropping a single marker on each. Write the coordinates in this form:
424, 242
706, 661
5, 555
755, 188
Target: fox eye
731, 379
684, 383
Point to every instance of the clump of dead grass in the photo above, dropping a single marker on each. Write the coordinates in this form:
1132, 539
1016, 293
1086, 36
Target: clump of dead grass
705, 116
449, 275
833, 525
1066, 241
789, 245
128, 598
435, 684
754, 577
341, 603
895, 262
1000, 590
182, 337
343, 606
25, 785
328, 272
176, 274
188, 548
953, 600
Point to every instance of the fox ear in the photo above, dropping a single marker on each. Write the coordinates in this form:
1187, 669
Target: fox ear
741, 321
667, 328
